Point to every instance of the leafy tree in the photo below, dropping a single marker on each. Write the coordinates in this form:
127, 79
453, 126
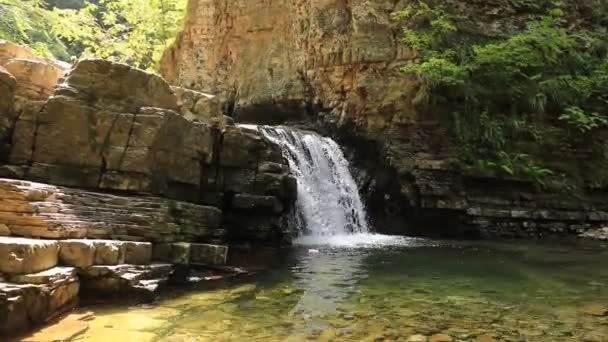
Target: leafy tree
135, 32
29, 22
503, 89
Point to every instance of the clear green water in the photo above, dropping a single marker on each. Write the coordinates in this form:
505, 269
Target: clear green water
390, 290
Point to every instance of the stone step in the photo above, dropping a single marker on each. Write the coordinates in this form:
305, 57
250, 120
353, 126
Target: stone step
54, 276
125, 280
191, 253
49, 212
50, 294
87, 253
24, 256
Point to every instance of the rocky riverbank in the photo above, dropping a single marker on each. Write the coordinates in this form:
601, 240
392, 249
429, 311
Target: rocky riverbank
116, 183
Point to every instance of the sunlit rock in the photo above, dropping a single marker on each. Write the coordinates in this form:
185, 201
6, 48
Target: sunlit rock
21, 256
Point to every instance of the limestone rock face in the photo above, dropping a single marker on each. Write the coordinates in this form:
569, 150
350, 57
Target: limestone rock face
36, 76
124, 280
42, 297
43, 211
336, 65
273, 57
8, 83
77, 253
104, 84
110, 127
21, 256
195, 105
208, 254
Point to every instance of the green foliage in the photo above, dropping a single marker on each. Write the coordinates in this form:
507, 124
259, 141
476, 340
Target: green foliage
135, 32
29, 22
511, 164
583, 121
497, 88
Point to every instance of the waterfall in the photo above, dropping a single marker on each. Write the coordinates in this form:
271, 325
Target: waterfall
328, 202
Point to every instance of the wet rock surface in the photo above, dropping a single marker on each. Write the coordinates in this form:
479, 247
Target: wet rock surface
41, 279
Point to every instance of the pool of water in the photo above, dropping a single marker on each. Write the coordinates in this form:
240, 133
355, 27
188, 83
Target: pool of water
372, 288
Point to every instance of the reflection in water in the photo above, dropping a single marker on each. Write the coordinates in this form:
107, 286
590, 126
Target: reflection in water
325, 277
513, 292
328, 269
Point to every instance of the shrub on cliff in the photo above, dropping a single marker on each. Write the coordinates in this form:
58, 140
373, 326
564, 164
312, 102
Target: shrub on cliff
503, 91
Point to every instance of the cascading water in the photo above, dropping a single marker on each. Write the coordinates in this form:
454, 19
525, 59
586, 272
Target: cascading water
328, 203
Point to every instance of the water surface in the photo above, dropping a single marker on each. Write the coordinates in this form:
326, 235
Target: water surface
371, 287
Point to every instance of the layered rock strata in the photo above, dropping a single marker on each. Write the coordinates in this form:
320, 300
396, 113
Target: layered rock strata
335, 66
41, 279
146, 179
113, 128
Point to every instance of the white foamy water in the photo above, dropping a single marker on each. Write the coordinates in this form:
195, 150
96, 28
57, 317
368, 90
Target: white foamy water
329, 204
361, 240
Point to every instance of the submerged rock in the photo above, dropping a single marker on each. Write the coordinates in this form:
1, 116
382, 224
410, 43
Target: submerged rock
417, 338
441, 338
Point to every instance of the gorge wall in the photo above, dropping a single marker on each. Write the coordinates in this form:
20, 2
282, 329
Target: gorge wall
334, 66
107, 127
114, 184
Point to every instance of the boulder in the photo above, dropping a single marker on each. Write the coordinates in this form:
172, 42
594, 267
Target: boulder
211, 255
56, 275
124, 281
8, 84
10, 50
241, 148
118, 87
129, 135
77, 253
23, 135
195, 105
138, 253
108, 252
36, 79
22, 256
34, 299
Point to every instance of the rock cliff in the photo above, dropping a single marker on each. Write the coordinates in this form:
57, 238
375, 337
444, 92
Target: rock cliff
288, 56
108, 127
335, 65
135, 181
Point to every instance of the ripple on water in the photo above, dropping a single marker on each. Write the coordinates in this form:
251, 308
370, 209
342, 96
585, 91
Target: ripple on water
363, 240
368, 287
